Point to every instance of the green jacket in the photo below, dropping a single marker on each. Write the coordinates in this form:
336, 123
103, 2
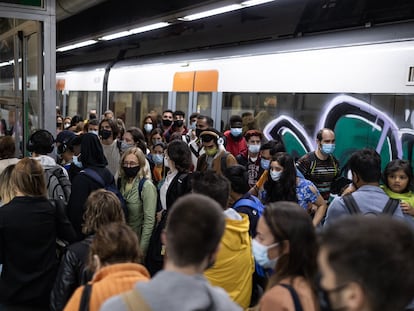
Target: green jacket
141, 216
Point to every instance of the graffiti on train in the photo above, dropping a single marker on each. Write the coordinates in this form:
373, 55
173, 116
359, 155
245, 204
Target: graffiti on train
356, 124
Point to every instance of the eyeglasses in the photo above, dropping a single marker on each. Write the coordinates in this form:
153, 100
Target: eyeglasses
130, 164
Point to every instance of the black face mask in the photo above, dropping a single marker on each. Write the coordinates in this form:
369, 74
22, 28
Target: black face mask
130, 171
105, 134
178, 123
198, 132
59, 125
325, 300
166, 122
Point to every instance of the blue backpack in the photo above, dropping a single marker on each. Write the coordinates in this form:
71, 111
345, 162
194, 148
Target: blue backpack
110, 187
253, 202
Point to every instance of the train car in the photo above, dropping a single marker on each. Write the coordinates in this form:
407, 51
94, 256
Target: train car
363, 89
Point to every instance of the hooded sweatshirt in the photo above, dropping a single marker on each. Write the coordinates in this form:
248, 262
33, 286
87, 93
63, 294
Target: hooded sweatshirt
234, 266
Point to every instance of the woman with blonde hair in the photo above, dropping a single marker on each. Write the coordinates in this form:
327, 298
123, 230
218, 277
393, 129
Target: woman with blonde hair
6, 189
140, 194
114, 256
29, 227
102, 208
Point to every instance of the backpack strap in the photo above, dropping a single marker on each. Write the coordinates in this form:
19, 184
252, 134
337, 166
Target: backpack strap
295, 297
86, 296
141, 186
223, 160
94, 175
134, 301
195, 152
350, 204
391, 206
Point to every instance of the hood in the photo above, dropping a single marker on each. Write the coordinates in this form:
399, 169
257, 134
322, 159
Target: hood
92, 154
236, 235
46, 161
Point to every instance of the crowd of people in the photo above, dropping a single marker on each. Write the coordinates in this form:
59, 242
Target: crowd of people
174, 217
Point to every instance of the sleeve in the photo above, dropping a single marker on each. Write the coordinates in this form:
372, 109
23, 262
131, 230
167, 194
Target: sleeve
335, 210
80, 192
231, 160
66, 282
64, 227
149, 200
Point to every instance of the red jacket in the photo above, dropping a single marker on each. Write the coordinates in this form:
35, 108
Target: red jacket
233, 146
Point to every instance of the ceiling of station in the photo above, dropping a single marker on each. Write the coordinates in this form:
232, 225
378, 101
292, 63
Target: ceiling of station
275, 20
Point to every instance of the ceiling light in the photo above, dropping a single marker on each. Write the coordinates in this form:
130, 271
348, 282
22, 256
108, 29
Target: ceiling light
254, 2
134, 31
224, 9
149, 27
76, 45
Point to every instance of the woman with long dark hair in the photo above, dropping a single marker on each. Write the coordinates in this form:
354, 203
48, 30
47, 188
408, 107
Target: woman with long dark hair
284, 185
286, 245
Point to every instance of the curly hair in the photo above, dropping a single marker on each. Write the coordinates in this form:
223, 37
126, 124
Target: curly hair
102, 207
179, 152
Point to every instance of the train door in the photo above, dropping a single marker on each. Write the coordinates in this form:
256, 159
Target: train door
20, 79
196, 91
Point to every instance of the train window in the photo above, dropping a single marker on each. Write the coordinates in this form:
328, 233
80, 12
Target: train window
80, 102
132, 107
182, 100
204, 103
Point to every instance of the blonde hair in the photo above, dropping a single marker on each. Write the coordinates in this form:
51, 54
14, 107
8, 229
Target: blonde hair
144, 169
102, 207
28, 178
6, 188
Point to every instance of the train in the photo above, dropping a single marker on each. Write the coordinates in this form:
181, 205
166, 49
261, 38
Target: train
358, 82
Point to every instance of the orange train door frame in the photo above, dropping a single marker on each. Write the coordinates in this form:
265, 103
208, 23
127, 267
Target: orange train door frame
195, 82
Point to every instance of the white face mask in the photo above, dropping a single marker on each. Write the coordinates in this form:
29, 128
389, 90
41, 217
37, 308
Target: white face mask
260, 253
148, 127
254, 148
94, 132
275, 175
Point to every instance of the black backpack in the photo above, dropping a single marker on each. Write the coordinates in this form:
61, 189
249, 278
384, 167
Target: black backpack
154, 260
110, 187
352, 206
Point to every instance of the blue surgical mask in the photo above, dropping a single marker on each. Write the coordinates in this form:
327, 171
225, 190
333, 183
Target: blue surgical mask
158, 158
148, 127
75, 160
328, 148
260, 255
254, 148
193, 125
275, 175
94, 132
265, 164
236, 131
125, 146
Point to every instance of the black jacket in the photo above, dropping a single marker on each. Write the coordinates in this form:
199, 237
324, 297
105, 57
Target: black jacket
71, 274
29, 227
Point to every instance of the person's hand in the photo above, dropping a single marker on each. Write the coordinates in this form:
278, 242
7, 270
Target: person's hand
407, 208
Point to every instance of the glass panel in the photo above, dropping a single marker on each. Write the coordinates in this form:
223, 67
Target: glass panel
80, 102
133, 107
154, 103
204, 103
182, 102
32, 83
